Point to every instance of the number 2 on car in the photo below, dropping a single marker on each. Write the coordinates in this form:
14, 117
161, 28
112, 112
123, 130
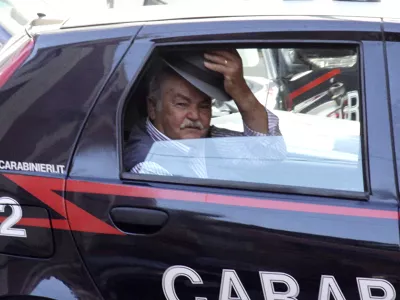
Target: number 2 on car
6, 227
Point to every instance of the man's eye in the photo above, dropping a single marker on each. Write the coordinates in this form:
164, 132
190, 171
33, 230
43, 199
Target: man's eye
182, 104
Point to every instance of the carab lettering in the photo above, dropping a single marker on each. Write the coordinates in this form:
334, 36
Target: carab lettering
230, 281
31, 167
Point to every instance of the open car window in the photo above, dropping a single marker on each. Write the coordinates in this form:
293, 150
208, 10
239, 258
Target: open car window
313, 94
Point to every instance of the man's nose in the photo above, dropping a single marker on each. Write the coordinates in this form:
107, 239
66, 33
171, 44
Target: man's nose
193, 113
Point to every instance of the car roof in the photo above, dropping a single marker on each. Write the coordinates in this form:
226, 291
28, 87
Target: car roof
188, 10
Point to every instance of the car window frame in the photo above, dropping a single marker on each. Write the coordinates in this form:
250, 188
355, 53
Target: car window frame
356, 195
392, 45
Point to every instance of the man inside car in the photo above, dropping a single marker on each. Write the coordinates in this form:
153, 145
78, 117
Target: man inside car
179, 106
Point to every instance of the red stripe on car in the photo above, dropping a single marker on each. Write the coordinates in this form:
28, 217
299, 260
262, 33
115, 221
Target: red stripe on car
80, 220
311, 85
145, 192
42, 223
44, 189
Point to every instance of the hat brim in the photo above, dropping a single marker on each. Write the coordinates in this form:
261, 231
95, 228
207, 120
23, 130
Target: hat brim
207, 84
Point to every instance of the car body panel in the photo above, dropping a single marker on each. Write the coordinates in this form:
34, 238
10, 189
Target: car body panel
54, 90
214, 229
48, 121
392, 37
46, 262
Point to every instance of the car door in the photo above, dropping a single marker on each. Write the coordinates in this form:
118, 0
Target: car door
287, 235
392, 48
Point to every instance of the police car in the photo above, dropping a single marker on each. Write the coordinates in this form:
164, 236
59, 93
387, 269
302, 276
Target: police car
321, 223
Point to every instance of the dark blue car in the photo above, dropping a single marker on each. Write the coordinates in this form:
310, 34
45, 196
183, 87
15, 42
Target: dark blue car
128, 170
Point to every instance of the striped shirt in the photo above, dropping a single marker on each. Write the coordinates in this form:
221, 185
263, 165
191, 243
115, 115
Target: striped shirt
197, 163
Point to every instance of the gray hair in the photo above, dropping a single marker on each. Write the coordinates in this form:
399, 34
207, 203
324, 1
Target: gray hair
156, 82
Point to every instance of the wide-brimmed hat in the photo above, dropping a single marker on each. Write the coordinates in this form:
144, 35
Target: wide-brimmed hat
190, 66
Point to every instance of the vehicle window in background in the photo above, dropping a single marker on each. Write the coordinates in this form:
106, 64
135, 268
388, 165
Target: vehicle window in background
315, 95
300, 80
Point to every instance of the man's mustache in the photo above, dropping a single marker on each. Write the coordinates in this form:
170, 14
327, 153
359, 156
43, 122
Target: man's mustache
190, 124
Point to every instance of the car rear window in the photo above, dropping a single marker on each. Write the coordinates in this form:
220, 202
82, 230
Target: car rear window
313, 99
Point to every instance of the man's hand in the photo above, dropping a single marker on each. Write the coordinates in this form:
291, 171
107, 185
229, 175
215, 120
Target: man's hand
229, 64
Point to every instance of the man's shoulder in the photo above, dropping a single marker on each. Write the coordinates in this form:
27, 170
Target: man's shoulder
137, 146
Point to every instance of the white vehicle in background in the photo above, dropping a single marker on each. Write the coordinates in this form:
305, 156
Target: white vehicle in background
15, 15
9, 26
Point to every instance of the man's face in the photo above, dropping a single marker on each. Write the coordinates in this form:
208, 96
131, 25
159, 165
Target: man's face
184, 113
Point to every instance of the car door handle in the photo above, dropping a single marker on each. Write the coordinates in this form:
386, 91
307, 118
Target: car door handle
138, 220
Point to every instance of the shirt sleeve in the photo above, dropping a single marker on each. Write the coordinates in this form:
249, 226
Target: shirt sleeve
266, 148
273, 127
150, 168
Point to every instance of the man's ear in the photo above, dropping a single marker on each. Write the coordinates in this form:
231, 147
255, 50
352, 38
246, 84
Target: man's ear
151, 108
